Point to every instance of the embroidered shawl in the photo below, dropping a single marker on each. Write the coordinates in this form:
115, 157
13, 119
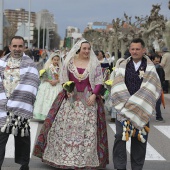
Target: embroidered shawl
140, 106
22, 99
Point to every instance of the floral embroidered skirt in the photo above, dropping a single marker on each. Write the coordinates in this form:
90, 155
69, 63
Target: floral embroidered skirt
76, 137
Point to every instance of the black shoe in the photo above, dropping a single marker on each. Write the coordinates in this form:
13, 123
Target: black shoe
160, 119
24, 167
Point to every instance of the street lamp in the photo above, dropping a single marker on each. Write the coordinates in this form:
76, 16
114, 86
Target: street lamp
1, 23
29, 20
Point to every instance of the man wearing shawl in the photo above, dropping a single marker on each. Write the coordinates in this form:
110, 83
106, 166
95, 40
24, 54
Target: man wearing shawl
135, 90
19, 82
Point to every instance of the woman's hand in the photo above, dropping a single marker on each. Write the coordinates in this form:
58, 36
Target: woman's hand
91, 100
53, 82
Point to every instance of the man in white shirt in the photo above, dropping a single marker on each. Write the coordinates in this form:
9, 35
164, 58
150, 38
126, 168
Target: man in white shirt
136, 87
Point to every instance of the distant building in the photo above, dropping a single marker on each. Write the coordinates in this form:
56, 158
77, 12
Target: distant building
72, 35
19, 16
19, 19
98, 25
70, 30
44, 19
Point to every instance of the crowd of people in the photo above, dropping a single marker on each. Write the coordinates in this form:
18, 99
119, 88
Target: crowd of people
72, 99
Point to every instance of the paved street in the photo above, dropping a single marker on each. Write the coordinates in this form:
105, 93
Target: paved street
158, 148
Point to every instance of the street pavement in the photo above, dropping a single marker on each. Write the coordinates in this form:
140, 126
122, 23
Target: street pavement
158, 147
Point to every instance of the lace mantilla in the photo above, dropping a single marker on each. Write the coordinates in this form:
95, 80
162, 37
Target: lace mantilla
94, 68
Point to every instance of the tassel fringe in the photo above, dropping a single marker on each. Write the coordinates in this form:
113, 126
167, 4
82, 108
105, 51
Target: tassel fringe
130, 131
16, 125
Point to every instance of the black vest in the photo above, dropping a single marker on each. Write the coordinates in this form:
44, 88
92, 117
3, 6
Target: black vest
132, 79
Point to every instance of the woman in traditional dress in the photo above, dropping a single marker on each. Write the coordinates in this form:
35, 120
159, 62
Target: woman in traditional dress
49, 87
74, 134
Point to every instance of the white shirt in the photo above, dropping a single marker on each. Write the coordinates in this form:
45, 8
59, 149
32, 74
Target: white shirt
137, 65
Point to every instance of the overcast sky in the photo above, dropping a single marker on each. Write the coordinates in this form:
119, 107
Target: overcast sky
78, 13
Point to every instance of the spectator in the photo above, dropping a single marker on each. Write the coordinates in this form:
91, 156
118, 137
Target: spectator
165, 63
156, 60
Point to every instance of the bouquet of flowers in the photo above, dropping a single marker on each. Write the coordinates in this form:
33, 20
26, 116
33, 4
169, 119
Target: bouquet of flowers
69, 87
42, 72
108, 85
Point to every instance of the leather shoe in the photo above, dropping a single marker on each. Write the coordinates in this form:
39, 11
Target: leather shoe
24, 167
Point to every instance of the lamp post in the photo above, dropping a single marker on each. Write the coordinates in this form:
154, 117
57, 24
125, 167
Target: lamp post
43, 33
29, 20
39, 28
1, 23
47, 37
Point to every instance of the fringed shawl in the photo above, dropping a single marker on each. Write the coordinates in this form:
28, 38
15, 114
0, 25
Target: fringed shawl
140, 106
22, 99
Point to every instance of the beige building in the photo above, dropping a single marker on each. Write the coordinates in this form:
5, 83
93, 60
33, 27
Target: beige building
19, 16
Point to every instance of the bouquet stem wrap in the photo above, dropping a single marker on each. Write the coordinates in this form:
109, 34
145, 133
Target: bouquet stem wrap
69, 87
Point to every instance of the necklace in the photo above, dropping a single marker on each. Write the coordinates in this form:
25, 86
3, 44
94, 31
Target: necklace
80, 77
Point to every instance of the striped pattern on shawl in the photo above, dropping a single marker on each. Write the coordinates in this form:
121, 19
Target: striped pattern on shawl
23, 97
140, 106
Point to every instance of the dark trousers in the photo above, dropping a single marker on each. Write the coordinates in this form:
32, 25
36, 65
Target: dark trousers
138, 151
158, 109
22, 148
166, 86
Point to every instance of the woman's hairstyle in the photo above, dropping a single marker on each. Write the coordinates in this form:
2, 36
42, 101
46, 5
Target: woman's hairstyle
80, 46
96, 52
103, 53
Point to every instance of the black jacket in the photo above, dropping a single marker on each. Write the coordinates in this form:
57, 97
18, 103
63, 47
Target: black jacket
161, 73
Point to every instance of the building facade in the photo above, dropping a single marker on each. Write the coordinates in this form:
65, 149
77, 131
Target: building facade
19, 16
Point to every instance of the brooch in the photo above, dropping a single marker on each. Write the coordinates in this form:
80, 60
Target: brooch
141, 73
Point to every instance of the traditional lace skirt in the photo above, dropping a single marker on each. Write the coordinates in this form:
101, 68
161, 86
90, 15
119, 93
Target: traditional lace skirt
73, 136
